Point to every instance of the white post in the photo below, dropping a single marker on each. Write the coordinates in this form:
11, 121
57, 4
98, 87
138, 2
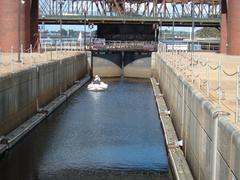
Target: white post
199, 74
192, 69
0, 56
45, 51
21, 55
219, 82
237, 95
207, 79
31, 54
11, 60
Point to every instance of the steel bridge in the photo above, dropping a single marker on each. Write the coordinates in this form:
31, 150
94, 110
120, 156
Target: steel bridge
164, 12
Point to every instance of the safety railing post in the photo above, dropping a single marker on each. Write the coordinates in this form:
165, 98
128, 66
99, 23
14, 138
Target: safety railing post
11, 60
21, 55
199, 74
0, 56
192, 68
207, 79
219, 82
237, 94
31, 55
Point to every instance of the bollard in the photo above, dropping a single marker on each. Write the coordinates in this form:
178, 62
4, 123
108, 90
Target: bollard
237, 95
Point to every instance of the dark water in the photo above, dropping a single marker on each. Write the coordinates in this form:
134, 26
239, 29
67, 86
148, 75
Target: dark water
113, 134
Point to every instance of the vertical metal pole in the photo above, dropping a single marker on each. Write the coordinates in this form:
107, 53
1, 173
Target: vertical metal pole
199, 74
45, 50
192, 63
61, 21
12, 59
92, 64
207, 79
0, 56
173, 28
219, 82
85, 16
237, 95
31, 54
21, 54
193, 26
19, 30
183, 105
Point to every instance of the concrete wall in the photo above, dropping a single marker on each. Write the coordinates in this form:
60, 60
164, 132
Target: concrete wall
116, 64
193, 119
107, 65
137, 66
21, 92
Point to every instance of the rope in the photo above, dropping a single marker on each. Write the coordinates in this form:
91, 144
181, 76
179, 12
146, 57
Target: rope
228, 74
214, 68
216, 89
203, 64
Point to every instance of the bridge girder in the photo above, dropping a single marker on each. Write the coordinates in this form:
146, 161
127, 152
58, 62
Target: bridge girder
199, 9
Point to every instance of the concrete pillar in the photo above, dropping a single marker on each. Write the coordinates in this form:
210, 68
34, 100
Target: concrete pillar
9, 24
233, 27
223, 43
34, 25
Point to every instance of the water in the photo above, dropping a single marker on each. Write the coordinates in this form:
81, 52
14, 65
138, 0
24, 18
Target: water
113, 134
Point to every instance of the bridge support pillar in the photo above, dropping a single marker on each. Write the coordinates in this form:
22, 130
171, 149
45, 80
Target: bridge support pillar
35, 41
233, 27
223, 43
14, 26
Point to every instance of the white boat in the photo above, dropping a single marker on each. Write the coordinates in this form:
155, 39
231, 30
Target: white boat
97, 85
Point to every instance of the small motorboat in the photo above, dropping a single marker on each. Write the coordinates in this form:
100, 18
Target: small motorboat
97, 85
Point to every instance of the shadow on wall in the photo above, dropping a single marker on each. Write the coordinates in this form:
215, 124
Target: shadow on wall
128, 64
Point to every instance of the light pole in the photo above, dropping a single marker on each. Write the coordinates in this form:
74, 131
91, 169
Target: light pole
20, 3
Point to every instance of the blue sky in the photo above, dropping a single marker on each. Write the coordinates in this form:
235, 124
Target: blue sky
81, 28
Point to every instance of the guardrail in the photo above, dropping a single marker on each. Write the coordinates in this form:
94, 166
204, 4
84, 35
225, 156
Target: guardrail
200, 72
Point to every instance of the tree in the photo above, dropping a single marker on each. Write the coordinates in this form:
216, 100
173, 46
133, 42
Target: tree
207, 32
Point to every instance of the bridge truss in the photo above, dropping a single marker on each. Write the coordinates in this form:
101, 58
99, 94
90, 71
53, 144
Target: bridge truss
205, 12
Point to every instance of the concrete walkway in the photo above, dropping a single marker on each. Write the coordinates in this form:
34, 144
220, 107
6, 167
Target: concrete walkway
9, 64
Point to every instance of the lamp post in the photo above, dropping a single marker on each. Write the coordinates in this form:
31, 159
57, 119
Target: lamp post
20, 3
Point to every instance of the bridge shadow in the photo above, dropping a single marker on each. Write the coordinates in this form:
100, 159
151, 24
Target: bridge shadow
111, 64
119, 58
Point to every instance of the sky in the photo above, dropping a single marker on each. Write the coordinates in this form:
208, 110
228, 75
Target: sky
81, 28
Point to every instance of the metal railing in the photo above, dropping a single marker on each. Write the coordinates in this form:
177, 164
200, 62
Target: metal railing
46, 52
125, 45
201, 72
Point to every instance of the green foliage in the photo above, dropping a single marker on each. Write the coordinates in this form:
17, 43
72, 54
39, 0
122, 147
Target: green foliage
207, 32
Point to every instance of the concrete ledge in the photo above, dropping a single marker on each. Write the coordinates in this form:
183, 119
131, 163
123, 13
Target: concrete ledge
14, 136
177, 160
